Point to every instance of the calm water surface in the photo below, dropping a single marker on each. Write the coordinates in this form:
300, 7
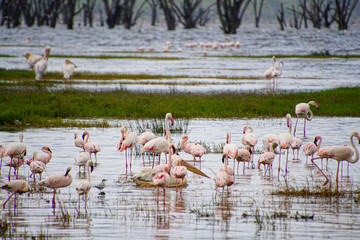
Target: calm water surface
250, 210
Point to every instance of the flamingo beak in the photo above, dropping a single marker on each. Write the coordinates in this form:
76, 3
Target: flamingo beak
193, 169
83, 136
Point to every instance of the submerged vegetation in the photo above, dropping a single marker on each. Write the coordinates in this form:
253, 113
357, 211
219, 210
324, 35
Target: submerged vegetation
42, 108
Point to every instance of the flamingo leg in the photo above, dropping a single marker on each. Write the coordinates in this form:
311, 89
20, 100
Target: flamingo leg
287, 155
304, 125
279, 164
297, 118
243, 168
53, 200
7, 200
337, 176
327, 179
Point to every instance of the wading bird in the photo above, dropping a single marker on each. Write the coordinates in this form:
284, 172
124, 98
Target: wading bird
230, 149
90, 147
195, 149
296, 144
223, 178
129, 140
303, 110
269, 71
41, 65
277, 73
57, 181
84, 186
101, 186
267, 158
68, 69
338, 153
244, 155
81, 159
269, 139
16, 187
32, 59
285, 140
78, 141
311, 148
43, 158
249, 138
36, 167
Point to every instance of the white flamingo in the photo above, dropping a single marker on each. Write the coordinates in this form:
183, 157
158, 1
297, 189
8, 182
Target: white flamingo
230, 149
84, 186
303, 110
285, 140
129, 141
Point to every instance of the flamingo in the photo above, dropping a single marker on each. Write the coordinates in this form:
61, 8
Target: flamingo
16, 187
244, 155
79, 142
129, 141
81, 159
159, 145
43, 158
68, 69
223, 178
2, 153
303, 110
90, 147
36, 166
179, 170
195, 149
339, 153
145, 137
285, 140
269, 139
267, 158
269, 71
41, 65
16, 163
277, 72
296, 144
32, 59
84, 186
311, 148
230, 149
16, 151
57, 181
249, 138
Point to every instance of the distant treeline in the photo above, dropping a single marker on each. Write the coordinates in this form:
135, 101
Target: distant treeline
188, 13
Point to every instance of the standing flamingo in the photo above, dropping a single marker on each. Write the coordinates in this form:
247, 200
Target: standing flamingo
90, 147
285, 140
79, 142
195, 149
160, 145
277, 73
43, 158
179, 170
249, 138
267, 158
339, 153
2, 153
16, 187
84, 186
296, 144
81, 159
269, 71
129, 141
269, 139
16, 163
32, 59
145, 137
68, 69
311, 148
303, 110
16, 151
36, 167
57, 181
244, 155
41, 65
223, 177
230, 149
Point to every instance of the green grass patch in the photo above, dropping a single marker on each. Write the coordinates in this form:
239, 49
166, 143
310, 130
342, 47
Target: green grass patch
42, 108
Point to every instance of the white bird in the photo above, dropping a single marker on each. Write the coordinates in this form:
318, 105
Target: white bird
68, 69
249, 138
269, 139
303, 110
311, 148
41, 65
269, 71
296, 144
79, 142
16, 187
84, 186
244, 155
129, 140
16, 151
230, 149
81, 159
32, 59
285, 140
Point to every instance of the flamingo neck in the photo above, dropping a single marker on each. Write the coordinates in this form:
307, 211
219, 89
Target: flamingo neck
88, 172
167, 131
280, 69
289, 125
356, 158
87, 138
320, 140
309, 115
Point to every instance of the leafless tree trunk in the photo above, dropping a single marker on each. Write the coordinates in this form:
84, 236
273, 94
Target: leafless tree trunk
54, 8
11, 13
205, 14
130, 18
343, 12
303, 7
70, 12
281, 17
112, 12
169, 14
154, 4
29, 13
89, 12
297, 18
257, 11
188, 12
231, 13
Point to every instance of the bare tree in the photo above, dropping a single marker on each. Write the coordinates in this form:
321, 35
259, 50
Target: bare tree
206, 14
231, 13
169, 14
188, 12
154, 4
281, 17
297, 18
69, 12
129, 18
53, 10
88, 7
10, 13
343, 12
257, 11
112, 12
29, 13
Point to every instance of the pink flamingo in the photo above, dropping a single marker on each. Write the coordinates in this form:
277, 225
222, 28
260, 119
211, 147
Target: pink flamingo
32, 59
145, 137
36, 167
223, 177
267, 158
276, 73
16, 149
41, 65
244, 155
179, 170
249, 138
84, 186
81, 159
79, 142
296, 144
43, 158
311, 148
195, 149
269, 71
303, 110
230, 149
16, 187
2, 153
15, 163
90, 147
269, 139
129, 141
160, 145
57, 181
339, 153
285, 140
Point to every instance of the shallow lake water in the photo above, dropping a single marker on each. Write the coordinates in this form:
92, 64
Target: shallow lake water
249, 210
